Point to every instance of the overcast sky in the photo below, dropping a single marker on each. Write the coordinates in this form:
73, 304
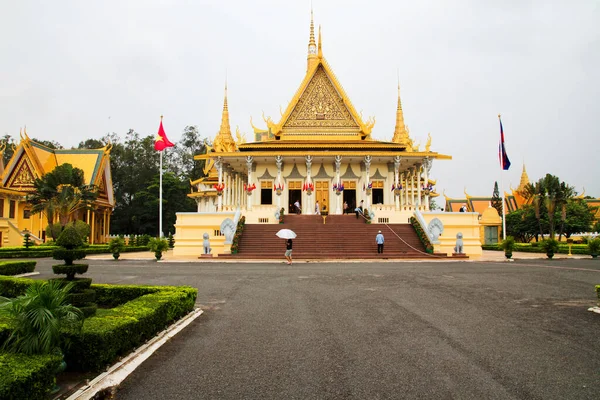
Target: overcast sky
73, 70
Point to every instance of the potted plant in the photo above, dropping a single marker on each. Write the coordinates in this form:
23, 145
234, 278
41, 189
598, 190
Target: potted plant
116, 246
594, 247
158, 246
550, 246
508, 245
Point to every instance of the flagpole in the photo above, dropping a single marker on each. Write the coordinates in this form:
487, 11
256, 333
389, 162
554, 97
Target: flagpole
160, 219
502, 188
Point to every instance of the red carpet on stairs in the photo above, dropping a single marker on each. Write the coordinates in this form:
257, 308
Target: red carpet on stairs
341, 237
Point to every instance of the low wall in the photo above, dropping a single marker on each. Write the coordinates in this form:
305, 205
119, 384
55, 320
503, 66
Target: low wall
190, 227
466, 223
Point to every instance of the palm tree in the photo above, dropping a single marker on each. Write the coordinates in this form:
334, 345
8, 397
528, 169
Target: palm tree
38, 317
566, 193
62, 192
536, 193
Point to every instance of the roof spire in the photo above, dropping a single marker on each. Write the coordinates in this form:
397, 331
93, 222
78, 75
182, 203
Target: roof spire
224, 140
312, 46
400, 132
524, 179
320, 48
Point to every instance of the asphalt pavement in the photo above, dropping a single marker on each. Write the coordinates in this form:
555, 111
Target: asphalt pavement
465, 330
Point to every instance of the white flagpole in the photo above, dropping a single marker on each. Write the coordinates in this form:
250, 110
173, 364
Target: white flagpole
502, 188
160, 230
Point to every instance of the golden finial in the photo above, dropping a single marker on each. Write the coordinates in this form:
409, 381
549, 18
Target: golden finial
320, 48
312, 46
401, 133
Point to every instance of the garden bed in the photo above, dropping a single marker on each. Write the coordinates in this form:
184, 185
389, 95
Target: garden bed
136, 314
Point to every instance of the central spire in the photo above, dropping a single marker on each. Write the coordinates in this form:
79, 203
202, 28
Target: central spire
400, 132
224, 140
312, 46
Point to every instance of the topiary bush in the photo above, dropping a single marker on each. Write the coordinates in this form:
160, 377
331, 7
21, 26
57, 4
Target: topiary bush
71, 241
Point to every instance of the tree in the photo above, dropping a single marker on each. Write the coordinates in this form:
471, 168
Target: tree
578, 218
496, 200
550, 192
62, 192
522, 224
181, 158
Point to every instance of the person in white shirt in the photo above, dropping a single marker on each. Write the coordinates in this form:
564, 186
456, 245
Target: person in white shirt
317, 208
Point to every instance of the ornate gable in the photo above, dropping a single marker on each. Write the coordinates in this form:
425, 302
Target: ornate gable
320, 105
23, 175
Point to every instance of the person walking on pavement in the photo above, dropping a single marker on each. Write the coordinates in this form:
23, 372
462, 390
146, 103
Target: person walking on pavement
288, 251
379, 240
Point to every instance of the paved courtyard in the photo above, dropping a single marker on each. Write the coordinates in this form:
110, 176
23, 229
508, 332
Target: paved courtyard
466, 330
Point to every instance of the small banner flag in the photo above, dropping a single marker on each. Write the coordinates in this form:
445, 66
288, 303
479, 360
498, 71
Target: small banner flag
504, 161
161, 141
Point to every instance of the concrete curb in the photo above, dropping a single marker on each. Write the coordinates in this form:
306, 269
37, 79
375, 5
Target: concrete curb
26, 274
119, 371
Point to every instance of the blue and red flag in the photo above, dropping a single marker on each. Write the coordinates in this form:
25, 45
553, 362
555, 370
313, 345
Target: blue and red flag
504, 161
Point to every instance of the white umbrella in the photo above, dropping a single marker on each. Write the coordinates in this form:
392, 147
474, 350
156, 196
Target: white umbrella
286, 234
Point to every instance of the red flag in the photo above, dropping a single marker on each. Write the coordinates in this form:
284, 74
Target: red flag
161, 141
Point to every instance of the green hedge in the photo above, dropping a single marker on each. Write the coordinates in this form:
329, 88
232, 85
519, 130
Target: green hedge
422, 235
116, 332
535, 248
16, 267
598, 293
46, 251
111, 333
27, 377
13, 287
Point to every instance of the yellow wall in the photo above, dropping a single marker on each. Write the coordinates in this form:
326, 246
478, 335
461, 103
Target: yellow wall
454, 222
189, 229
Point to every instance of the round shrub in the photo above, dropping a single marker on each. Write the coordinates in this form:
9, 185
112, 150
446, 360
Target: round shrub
69, 238
70, 270
79, 284
68, 255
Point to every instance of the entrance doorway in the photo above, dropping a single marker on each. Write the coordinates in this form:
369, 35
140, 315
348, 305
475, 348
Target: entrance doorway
294, 194
322, 195
350, 199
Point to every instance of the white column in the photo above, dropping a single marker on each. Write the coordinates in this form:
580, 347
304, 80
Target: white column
426, 168
367, 168
419, 172
413, 172
279, 163
338, 200
249, 160
396, 183
219, 164
308, 207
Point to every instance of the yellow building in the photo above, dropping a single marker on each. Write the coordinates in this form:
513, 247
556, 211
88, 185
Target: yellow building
32, 160
320, 145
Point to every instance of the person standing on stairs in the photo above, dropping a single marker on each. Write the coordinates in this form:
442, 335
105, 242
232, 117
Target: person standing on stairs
379, 240
317, 208
288, 251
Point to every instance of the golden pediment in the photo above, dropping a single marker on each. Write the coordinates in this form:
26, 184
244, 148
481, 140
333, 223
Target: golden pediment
23, 176
320, 106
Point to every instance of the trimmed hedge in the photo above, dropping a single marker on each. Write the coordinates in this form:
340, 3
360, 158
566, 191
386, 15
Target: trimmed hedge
422, 235
46, 251
598, 293
13, 287
116, 332
27, 377
70, 270
535, 248
16, 267
111, 333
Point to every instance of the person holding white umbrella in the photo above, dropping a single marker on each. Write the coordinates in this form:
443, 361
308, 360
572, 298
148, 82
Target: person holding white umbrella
289, 235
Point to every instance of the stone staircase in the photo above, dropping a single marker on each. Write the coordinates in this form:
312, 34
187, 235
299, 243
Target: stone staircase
341, 237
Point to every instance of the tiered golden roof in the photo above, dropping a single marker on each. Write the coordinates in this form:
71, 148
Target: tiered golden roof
224, 141
400, 132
